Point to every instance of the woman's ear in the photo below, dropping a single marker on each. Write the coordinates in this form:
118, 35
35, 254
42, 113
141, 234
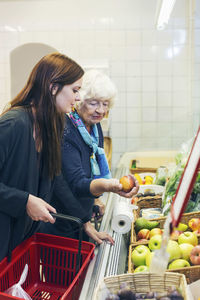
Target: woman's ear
53, 88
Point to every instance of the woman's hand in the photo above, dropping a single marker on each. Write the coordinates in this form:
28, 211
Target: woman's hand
134, 190
101, 185
98, 202
98, 237
38, 209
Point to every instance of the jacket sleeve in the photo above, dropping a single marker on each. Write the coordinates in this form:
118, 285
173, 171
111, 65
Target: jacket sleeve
73, 171
70, 205
12, 201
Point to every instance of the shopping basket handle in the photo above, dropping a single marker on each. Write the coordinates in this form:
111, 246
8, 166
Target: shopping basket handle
67, 218
80, 224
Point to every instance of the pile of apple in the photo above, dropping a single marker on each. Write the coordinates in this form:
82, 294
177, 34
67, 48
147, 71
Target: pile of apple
183, 253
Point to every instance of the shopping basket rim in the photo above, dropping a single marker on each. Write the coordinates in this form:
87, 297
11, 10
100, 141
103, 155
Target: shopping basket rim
39, 238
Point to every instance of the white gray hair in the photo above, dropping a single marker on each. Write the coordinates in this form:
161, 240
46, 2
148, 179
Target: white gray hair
97, 85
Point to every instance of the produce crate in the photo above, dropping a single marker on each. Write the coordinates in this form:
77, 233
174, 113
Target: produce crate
191, 273
151, 160
142, 283
184, 219
147, 202
140, 170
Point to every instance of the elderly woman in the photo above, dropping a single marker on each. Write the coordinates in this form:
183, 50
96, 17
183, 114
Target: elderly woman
84, 164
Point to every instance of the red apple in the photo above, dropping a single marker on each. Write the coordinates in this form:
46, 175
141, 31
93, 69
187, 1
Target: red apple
142, 241
143, 234
127, 183
155, 231
194, 224
175, 234
195, 255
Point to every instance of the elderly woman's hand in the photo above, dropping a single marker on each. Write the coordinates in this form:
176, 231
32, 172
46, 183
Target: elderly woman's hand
98, 237
133, 191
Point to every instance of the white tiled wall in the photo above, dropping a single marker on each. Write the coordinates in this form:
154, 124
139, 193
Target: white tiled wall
158, 104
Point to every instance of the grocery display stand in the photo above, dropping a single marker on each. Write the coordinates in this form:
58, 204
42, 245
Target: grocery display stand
110, 260
107, 260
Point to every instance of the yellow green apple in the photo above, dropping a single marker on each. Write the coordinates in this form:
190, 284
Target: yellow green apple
149, 258
188, 237
174, 250
178, 264
155, 242
186, 250
138, 255
141, 269
181, 227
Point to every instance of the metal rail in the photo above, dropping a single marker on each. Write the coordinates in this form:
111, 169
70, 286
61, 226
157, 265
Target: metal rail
108, 260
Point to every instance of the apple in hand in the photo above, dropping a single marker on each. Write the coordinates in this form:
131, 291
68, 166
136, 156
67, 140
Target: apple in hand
194, 224
127, 183
155, 242
195, 255
174, 250
141, 269
186, 250
138, 256
155, 231
178, 264
188, 237
143, 234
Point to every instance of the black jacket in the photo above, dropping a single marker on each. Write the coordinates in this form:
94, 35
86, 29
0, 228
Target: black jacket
71, 194
19, 177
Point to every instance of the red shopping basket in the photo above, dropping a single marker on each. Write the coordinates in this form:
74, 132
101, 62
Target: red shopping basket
52, 262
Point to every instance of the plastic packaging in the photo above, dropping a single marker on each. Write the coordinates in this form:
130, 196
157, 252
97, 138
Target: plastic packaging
16, 290
161, 175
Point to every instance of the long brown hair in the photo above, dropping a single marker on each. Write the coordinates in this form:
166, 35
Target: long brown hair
53, 69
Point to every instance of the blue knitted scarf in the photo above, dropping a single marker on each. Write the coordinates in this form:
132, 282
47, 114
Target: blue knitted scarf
98, 161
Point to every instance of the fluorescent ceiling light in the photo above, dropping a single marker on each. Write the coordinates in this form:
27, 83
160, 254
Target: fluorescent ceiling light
166, 8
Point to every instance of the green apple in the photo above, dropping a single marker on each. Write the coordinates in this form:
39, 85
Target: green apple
186, 250
178, 264
155, 242
174, 250
188, 237
141, 269
138, 256
181, 227
149, 258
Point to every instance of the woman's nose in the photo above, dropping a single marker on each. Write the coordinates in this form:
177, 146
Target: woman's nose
77, 97
100, 108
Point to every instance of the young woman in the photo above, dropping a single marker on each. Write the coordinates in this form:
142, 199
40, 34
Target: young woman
31, 130
84, 165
